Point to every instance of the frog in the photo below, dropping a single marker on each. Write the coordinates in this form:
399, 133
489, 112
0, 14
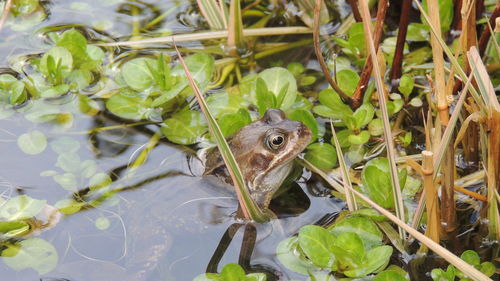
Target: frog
264, 150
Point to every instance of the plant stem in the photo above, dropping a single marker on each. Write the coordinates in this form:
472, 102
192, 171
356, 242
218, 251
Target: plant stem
319, 55
358, 94
267, 31
397, 62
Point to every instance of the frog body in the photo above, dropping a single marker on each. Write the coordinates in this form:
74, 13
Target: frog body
264, 151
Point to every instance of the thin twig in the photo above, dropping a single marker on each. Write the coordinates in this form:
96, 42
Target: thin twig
357, 97
319, 55
5, 13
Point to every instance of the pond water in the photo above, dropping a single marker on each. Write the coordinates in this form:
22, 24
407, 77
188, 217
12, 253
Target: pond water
101, 145
163, 221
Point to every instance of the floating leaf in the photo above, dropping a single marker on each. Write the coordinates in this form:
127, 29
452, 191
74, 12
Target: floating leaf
321, 155
13, 228
223, 103
306, 117
21, 207
185, 127
129, 105
364, 227
315, 242
32, 143
375, 260
67, 181
76, 44
276, 79
232, 122
137, 74
287, 254
34, 253
332, 100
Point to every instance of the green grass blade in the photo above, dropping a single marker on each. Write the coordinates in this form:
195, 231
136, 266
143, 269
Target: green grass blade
351, 201
248, 206
391, 154
235, 39
212, 13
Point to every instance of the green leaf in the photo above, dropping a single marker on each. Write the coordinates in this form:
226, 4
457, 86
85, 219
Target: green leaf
32, 143
96, 55
21, 207
445, 14
65, 145
201, 66
331, 99
34, 253
288, 255
207, 277
363, 115
347, 80
376, 127
488, 268
79, 79
343, 137
406, 85
296, 68
99, 180
129, 105
232, 272
376, 181
69, 206
360, 138
276, 79
438, 274
223, 103
315, 242
321, 155
67, 181
375, 260
185, 127
471, 257
232, 122
264, 98
349, 250
362, 226
75, 43
69, 162
60, 56
306, 117
137, 74
13, 228
417, 32
389, 276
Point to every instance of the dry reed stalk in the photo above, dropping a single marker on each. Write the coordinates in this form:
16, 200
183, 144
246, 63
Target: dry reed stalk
448, 167
431, 197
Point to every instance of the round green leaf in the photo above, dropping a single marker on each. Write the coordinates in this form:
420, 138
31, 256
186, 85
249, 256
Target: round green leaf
288, 255
389, 276
185, 127
315, 242
32, 143
223, 103
375, 260
364, 227
67, 181
65, 145
347, 81
134, 106
99, 180
232, 272
321, 155
278, 78
306, 117
102, 223
34, 253
21, 207
406, 85
232, 122
376, 181
360, 138
137, 73
58, 54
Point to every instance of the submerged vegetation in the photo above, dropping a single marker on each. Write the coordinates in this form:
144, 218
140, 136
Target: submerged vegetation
400, 97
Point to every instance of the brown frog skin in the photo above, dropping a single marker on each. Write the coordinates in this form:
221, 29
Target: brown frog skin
264, 151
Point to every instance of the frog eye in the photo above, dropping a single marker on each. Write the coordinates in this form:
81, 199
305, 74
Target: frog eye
276, 141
